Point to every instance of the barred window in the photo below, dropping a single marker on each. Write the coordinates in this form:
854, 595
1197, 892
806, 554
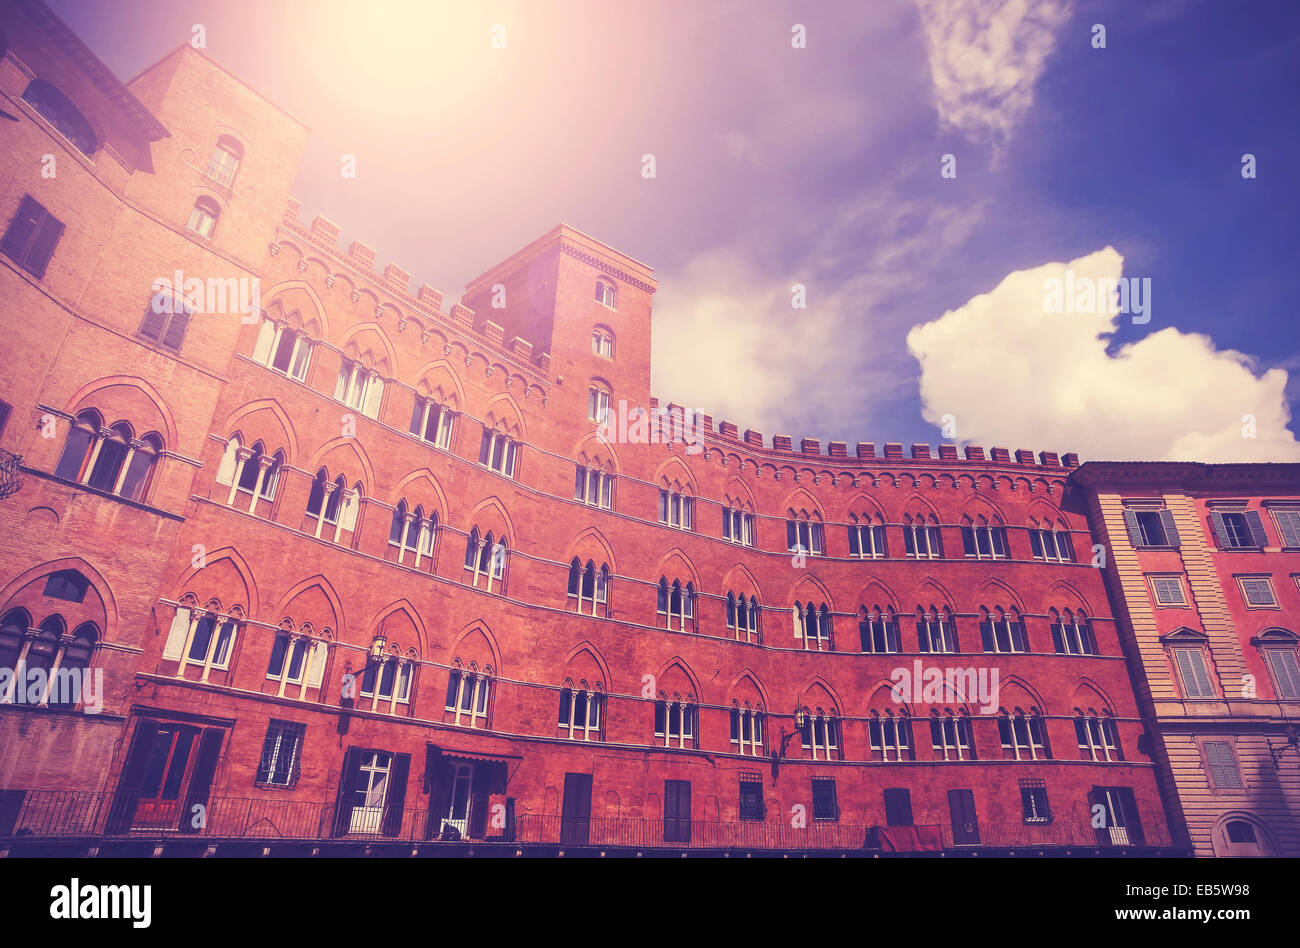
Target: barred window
281, 761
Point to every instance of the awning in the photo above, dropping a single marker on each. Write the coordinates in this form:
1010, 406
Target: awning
474, 755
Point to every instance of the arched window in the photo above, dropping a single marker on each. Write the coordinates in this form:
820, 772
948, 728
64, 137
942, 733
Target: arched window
747, 730
593, 486
984, 540
742, 617
588, 587
1278, 646
580, 711
432, 422
359, 387
598, 397
676, 605
57, 109
804, 534
935, 631
866, 539
486, 560
203, 218
1071, 633
890, 735
297, 659
386, 681
606, 293
202, 637
1001, 631
602, 342
1024, 736
332, 502
252, 475
819, 730
167, 319
675, 720
224, 161
411, 533
879, 630
283, 349
1096, 735
950, 735
812, 626
67, 678
921, 538
738, 525
83, 434
111, 459
677, 508
498, 452
468, 693
1051, 543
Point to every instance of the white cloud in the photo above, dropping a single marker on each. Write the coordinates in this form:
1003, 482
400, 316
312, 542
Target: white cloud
986, 56
1017, 376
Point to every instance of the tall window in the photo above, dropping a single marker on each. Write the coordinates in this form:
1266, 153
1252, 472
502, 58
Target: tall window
602, 342
747, 730
950, 735
297, 659
432, 422
606, 294
498, 452
1051, 545
109, 459
676, 509
281, 761
386, 683
251, 474
57, 109
983, 540
588, 587
1072, 634
825, 806
283, 349
890, 736
1033, 800
1002, 632
803, 534
867, 539
676, 605
812, 626
210, 640
580, 706
738, 526
467, 696
878, 630
597, 403
742, 617
1096, 736
203, 218
1023, 736
485, 560
359, 387
224, 161
934, 631
32, 235
1193, 672
1287, 521
820, 734
411, 534
1279, 649
921, 538
675, 722
167, 319
593, 486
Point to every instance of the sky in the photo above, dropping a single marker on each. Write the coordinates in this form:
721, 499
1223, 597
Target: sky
931, 173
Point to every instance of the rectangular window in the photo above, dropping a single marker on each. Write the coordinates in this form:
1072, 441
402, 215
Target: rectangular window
825, 806
32, 236
281, 754
1193, 673
898, 806
677, 811
1168, 591
1033, 801
1222, 766
751, 795
1288, 527
1257, 591
1151, 527
1286, 672
575, 815
1238, 529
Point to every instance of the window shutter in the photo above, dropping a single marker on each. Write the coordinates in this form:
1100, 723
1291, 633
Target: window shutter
265, 336
1220, 531
791, 536
898, 806
205, 766
1255, 524
395, 797
1058, 640
1128, 803
798, 628
1223, 769
986, 636
348, 778
1134, 533
47, 238
22, 227
176, 329
1288, 526
1287, 672
176, 636
374, 392
316, 664
151, 327
341, 386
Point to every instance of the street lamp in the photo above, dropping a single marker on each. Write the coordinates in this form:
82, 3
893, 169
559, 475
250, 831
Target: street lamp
1292, 743
799, 721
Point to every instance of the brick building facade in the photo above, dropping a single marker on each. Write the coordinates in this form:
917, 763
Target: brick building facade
360, 565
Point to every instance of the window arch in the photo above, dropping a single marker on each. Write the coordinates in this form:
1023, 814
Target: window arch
283, 348
950, 734
203, 218
935, 631
1023, 734
298, 658
1096, 735
598, 401
109, 459
812, 626
57, 109
606, 293
167, 319
224, 161
411, 533
589, 587
1072, 633
878, 629
602, 342
468, 695
748, 729
388, 679
890, 735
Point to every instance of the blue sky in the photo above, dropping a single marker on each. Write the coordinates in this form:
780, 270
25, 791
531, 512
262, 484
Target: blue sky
821, 166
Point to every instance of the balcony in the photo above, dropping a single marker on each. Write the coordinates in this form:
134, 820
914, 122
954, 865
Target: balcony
40, 822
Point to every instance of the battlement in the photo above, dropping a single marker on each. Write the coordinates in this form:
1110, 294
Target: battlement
394, 285
728, 432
